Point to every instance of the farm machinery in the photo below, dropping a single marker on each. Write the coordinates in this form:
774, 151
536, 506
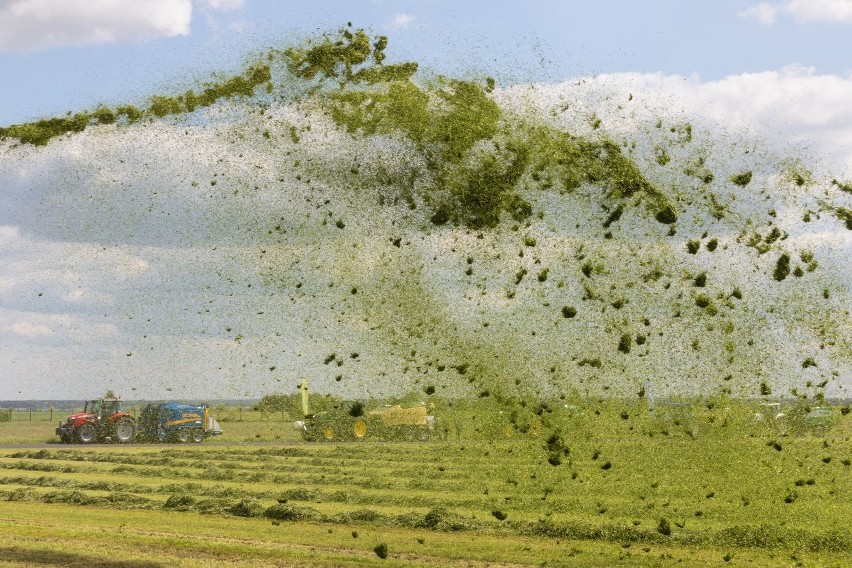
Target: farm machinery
105, 420
173, 422
102, 419
351, 421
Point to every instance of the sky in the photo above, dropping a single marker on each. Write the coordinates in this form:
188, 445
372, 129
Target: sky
65, 55
781, 66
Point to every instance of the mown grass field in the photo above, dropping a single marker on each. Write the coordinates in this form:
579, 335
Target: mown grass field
710, 487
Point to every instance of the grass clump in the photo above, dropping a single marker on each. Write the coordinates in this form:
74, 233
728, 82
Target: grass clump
179, 502
381, 550
667, 215
283, 512
844, 215
247, 508
782, 267
569, 312
742, 179
846, 187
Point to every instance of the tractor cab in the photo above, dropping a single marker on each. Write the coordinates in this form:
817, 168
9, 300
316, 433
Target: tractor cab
110, 407
102, 409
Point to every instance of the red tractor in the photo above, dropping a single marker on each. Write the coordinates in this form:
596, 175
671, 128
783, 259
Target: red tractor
102, 420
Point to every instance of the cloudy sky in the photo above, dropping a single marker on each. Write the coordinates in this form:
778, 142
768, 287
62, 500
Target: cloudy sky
72, 54
783, 66
785, 61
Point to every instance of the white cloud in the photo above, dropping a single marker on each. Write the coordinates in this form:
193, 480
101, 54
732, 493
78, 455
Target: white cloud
28, 329
225, 5
794, 103
830, 11
791, 108
401, 21
765, 13
821, 10
27, 25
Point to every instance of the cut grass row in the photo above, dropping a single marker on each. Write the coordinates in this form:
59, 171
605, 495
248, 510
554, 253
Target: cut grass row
532, 496
709, 491
66, 535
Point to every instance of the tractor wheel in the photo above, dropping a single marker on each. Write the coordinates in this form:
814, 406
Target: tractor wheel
87, 433
328, 432
125, 431
198, 435
182, 435
359, 429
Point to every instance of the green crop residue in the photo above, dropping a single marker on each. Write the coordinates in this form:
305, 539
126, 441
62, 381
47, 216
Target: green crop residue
700, 171
667, 215
796, 173
473, 186
238, 86
625, 343
132, 113
782, 267
334, 57
844, 215
575, 161
683, 132
476, 155
846, 187
40, 132
467, 242
104, 115
742, 179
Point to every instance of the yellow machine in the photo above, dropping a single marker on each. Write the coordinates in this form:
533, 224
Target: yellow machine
350, 421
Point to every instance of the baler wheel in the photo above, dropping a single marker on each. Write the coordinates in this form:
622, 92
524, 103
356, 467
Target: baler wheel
198, 435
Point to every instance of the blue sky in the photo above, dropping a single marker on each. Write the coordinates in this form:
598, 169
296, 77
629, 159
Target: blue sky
72, 57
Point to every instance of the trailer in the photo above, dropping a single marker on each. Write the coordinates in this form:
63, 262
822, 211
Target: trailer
174, 422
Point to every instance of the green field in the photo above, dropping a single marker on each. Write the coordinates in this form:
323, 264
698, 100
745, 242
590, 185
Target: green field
707, 487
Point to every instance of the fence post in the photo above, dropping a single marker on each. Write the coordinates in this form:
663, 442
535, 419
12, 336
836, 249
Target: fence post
31, 414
